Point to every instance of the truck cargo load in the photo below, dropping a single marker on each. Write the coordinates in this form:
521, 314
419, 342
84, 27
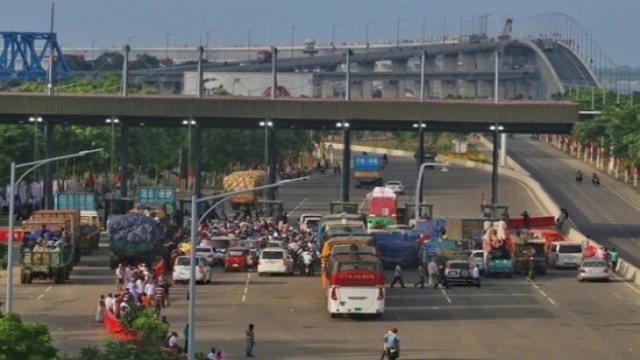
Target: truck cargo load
244, 180
368, 170
134, 238
498, 247
397, 247
73, 230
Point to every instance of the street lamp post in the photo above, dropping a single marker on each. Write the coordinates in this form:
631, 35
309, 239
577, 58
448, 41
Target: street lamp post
166, 45
209, 32
293, 32
35, 120
419, 184
130, 38
398, 32
32, 166
424, 30
333, 38
367, 39
444, 29
249, 43
113, 122
192, 267
93, 46
189, 123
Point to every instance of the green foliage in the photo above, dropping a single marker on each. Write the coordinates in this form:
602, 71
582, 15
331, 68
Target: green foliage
24, 340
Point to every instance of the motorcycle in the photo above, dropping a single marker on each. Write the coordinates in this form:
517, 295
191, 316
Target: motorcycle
579, 178
595, 181
390, 353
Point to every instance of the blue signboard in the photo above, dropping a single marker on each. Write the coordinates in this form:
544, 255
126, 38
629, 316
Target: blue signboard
156, 195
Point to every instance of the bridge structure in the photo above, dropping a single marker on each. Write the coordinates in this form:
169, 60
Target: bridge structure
454, 67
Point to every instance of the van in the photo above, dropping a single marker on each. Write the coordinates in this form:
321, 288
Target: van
564, 254
274, 260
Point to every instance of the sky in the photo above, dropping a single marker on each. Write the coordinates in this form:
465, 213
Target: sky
150, 23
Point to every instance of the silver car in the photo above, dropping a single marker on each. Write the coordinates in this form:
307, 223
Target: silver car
594, 269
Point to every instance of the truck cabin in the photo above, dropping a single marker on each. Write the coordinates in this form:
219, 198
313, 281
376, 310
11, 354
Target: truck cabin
337, 207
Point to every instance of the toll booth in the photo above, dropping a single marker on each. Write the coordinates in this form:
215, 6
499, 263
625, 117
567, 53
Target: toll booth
339, 207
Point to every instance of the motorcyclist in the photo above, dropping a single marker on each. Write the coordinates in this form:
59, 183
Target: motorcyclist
391, 340
579, 176
307, 259
595, 179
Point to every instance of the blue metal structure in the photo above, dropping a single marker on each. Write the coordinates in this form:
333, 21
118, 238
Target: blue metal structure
23, 52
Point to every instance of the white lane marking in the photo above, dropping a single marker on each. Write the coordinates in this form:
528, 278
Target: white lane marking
626, 283
445, 295
43, 293
544, 294
246, 288
297, 206
622, 197
542, 209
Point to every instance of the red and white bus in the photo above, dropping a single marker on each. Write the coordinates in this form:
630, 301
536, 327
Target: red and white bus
356, 284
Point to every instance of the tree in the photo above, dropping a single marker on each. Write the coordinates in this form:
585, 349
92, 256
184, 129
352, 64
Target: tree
25, 340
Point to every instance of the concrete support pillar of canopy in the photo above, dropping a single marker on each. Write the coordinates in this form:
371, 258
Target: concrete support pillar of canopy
49, 168
346, 161
197, 159
124, 160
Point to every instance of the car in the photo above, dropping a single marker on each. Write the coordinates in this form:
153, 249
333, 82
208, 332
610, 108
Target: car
182, 270
236, 259
275, 260
396, 186
477, 258
458, 272
307, 222
594, 269
213, 256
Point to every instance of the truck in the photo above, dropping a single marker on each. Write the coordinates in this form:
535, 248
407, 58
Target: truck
89, 219
244, 180
498, 246
339, 207
73, 230
48, 261
383, 203
75, 201
134, 238
368, 171
525, 249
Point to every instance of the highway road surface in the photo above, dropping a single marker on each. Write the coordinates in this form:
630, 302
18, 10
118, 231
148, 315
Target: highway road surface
555, 318
607, 213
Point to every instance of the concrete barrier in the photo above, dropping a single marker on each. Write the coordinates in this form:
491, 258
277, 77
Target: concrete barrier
513, 170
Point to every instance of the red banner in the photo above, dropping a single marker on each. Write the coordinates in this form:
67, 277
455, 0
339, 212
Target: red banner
4, 235
116, 330
534, 222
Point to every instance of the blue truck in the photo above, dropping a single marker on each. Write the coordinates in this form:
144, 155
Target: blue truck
368, 170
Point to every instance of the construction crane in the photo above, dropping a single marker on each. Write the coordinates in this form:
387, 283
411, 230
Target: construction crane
506, 30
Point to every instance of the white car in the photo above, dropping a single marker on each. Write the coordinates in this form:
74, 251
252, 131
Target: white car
213, 256
396, 186
477, 258
182, 270
275, 260
594, 269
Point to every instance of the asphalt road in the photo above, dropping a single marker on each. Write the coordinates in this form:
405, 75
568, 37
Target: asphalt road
608, 213
558, 318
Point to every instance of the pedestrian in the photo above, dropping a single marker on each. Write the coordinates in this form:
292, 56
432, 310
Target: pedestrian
613, 257
397, 276
251, 341
109, 301
212, 354
443, 278
432, 269
475, 274
119, 277
100, 309
531, 274
421, 275
219, 355
186, 338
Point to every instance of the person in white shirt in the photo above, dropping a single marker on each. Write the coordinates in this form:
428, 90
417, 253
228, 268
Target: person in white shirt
212, 354
150, 289
109, 301
475, 274
397, 277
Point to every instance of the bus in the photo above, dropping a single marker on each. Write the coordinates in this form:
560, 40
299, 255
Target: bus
356, 285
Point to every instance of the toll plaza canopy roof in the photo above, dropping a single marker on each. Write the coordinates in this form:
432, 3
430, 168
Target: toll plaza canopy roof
298, 113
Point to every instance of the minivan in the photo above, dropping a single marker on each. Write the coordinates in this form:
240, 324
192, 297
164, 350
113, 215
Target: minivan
275, 260
565, 254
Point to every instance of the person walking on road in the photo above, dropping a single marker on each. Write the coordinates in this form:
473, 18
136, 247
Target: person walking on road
531, 276
432, 269
251, 341
422, 275
442, 278
119, 277
475, 274
397, 276
613, 257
